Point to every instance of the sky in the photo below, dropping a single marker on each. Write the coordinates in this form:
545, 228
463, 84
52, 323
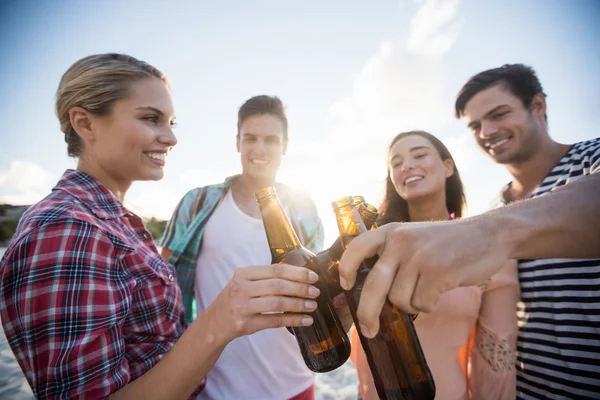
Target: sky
352, 74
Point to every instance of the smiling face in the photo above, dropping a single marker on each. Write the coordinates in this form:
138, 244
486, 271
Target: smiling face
132, 142
417, 169
261, 143
504, 128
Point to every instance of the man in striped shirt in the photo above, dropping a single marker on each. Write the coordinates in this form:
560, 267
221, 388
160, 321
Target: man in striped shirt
558, 352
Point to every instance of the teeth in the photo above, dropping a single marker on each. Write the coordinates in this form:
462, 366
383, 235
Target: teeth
158, 156
412, 179
498, 143
259, 162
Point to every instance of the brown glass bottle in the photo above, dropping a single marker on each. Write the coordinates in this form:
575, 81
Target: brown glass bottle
324, 345
328, 260
394, 355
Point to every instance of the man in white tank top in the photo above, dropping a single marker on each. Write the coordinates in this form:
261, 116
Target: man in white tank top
221, 228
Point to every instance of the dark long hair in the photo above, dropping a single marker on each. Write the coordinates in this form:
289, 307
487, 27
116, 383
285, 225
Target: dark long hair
395, 209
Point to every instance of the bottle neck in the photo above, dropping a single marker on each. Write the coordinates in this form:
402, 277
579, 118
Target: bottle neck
350, 223
280, 234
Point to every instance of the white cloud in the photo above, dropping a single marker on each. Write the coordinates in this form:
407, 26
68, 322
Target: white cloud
153, 199
192, 178
399, 88
25, 183
464, 151
26, 175
435, 27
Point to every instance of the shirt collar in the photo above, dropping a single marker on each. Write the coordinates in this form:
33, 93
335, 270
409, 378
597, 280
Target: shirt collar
93, 194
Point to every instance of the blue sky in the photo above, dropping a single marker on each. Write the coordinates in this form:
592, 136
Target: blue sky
352, 73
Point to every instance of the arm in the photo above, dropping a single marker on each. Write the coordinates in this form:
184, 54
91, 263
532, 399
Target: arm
564, 223
419, 261
237, 311
493, 373
72, 351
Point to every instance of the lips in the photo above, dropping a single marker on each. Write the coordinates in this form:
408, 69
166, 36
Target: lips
495, 145
258, 161
411, 179
158, 157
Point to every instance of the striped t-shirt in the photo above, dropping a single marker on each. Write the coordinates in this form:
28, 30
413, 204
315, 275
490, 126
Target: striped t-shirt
558, 349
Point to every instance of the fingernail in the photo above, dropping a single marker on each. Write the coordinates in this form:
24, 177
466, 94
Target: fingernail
306, 321
313, 291
364, 330
312, 276
310, 305
344, 283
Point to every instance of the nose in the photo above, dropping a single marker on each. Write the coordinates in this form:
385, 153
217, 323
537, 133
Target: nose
487, 130
168, 137
260, 147
407, 165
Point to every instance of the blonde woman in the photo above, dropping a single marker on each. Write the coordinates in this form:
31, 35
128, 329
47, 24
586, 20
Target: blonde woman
89, 307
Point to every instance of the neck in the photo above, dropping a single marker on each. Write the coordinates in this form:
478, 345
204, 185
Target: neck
117, 187
432, 208
527, 175
246, 186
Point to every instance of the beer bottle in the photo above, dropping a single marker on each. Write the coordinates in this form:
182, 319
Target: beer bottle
395, 356
328, 260
324, 345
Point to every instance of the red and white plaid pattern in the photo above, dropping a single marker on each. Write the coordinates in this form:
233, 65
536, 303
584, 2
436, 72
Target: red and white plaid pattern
87, 303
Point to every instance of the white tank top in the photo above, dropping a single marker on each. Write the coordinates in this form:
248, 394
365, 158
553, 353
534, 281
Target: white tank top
266, 365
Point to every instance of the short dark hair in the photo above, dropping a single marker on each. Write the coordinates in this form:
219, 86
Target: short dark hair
519, 79
263, 104
394, 208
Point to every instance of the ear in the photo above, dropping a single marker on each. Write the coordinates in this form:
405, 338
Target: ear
538, 106
81, 121
237, 142
285, 143
449, 167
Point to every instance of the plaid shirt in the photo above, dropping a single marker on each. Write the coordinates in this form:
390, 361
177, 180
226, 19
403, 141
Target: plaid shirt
87, 303
184, 232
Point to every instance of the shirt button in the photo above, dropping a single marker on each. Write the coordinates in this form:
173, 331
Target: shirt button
171, 277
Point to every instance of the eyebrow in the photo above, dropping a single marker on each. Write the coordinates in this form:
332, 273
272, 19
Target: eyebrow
487, 114
411, 150
150, 108
255, 135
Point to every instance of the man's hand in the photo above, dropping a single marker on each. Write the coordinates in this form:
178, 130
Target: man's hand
417, 262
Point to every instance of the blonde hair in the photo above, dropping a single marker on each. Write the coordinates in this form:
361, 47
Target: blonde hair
94, 83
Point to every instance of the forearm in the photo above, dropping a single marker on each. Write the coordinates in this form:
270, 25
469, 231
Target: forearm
562, 224
181, 371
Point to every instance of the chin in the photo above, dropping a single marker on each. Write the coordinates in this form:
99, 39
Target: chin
152, 176
418, 195
262, 176
503, 159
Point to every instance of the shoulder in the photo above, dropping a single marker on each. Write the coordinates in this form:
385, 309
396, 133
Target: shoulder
198, 194
586, 145
585, 150
57, 209
60, 224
